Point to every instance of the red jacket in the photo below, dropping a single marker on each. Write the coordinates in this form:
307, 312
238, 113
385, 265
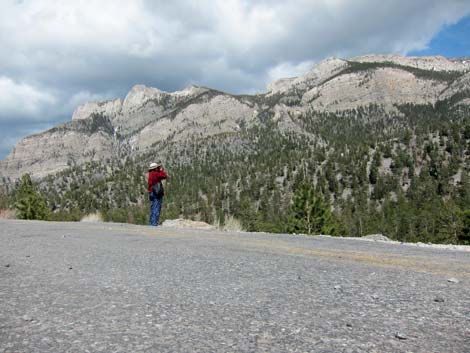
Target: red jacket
154, 177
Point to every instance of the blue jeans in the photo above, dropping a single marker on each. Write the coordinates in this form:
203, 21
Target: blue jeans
155, 208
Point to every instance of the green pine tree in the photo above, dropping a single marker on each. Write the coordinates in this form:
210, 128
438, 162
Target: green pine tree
310, 213
29, 203
464, 236
449, 224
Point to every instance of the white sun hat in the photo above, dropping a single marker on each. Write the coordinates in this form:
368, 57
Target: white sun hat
154, 165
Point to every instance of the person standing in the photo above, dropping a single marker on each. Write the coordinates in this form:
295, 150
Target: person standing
155, 189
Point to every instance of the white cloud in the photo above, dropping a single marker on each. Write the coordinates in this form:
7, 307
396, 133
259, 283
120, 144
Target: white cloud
56, 53
288, 69
85, 96
65, 24
79, 43
21, 99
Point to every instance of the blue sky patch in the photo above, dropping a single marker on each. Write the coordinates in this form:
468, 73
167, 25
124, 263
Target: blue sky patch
453, 41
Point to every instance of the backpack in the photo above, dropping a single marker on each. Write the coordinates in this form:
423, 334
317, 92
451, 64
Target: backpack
158, 189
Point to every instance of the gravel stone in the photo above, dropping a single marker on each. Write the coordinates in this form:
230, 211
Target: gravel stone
144, 289
401, 336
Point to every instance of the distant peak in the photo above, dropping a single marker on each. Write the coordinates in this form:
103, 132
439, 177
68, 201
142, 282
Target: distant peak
143, 88
191, 86
436, 62
319, 72
190, 90
146, 91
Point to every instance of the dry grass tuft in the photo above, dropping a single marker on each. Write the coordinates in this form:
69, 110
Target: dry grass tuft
232, 225
92, 217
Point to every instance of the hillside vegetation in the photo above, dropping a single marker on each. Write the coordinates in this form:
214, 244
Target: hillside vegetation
280, 164
405, 175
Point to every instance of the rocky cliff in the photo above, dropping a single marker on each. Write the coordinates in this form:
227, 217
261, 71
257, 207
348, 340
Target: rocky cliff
68, 144
147, 116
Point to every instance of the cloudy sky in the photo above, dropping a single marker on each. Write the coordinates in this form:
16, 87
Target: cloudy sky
56, 54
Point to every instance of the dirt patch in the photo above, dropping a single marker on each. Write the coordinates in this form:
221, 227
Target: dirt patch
186, 223
7, 214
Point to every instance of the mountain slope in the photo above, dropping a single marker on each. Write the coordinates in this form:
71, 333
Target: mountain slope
148, 116
385, 143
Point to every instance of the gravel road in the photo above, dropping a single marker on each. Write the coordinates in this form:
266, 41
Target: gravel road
102, 287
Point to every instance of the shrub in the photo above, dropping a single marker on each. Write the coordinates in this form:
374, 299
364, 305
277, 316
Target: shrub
30, 204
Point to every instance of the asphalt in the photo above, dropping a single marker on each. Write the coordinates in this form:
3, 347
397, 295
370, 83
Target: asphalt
101, 287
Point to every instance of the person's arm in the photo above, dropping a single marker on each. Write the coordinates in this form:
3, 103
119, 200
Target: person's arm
162, 174
149, 182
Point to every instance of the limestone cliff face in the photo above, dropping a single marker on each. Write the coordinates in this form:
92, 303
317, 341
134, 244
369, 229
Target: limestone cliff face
320, 73
211, 116
108, 109
459, 90
146, 115
384, 86
141, 106
60, 147
432, 63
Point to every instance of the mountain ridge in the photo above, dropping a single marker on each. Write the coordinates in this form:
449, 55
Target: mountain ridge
147, 115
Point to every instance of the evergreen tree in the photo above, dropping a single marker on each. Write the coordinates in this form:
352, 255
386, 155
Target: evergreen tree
449, 224
309, 213
464, 235
249, 216
29, 203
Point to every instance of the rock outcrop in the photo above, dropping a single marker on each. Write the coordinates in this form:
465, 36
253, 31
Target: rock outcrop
459, 90
385, 86
315, 77
61, 147
214, 115
147, 116
108, 109
432, 63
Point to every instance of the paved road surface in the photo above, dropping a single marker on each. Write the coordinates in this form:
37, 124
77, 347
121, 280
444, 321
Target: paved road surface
75, 287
